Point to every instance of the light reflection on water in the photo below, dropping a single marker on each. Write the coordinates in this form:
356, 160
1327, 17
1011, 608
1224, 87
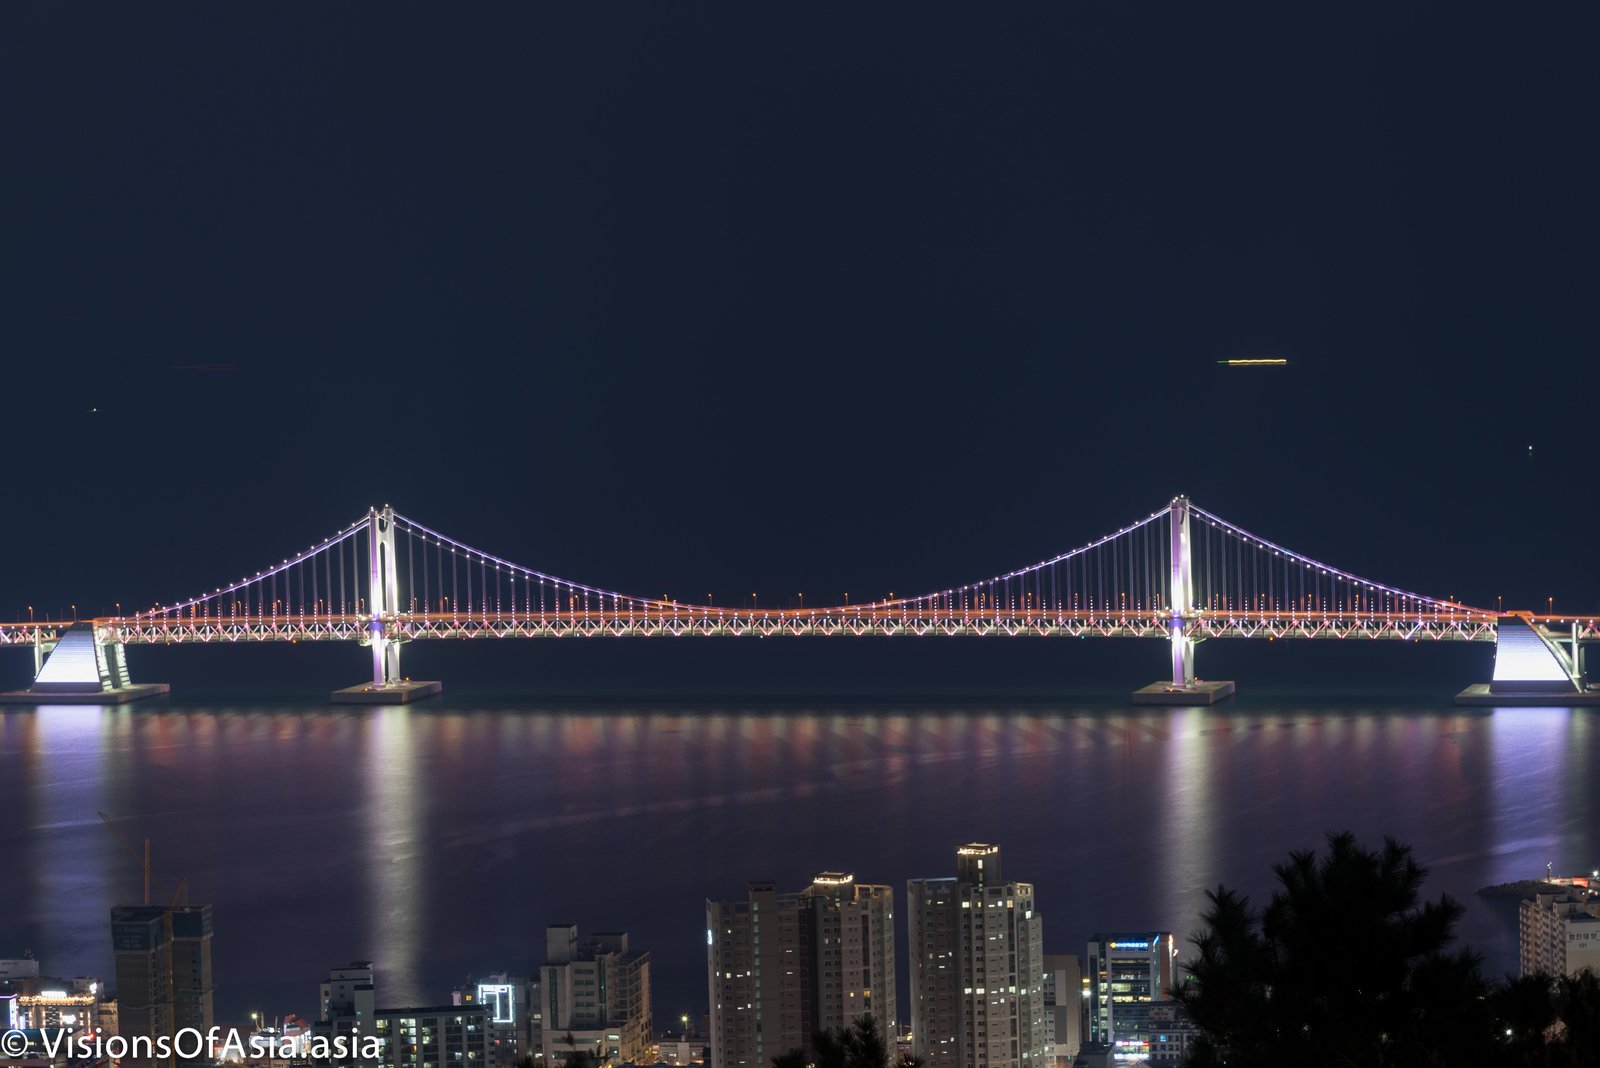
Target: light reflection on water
440, 842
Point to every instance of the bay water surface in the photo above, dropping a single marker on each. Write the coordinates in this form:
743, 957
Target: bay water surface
438, 840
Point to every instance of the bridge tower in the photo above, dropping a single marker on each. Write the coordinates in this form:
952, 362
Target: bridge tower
383, 590
1181, 596
1184, 689
385, 634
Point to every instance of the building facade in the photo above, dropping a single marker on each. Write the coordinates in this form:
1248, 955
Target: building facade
193, 986
977, 966
756, 976
53, 1003
1559, 933
26, 968
141, 942
847, 929
163, 968
1064, 1004
782, 965
505, 999
445, 1036
1127, 973
681, 1049
594, 997
348, 996
348, 1003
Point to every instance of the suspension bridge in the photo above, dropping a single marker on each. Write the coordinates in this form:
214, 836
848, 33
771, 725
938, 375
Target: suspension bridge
1180, 574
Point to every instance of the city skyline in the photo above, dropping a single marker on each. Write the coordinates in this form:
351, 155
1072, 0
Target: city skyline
974, 948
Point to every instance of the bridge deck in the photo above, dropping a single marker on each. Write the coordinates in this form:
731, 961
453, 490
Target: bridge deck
687, 620
690, 620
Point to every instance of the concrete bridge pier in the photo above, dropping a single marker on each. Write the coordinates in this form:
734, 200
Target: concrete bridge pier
87, 666
1532, 669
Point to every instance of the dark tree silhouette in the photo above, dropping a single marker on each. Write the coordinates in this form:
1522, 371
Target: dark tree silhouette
1549, 1023
580, 1058
860, 1045
1578, 1008
1344, 967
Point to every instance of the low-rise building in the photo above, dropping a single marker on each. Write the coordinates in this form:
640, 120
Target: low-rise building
444, 1036
682, 1049
52, 1003
26, 968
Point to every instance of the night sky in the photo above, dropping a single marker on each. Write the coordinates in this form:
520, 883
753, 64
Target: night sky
688, 298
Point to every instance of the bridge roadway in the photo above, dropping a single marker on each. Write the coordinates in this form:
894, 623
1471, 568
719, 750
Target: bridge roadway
856, 621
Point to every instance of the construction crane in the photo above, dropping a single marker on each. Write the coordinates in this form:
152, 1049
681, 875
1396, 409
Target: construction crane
180, 896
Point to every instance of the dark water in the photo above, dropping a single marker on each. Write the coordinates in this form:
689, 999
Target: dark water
440, 840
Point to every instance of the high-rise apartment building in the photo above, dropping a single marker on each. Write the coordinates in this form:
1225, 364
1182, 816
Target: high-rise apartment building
141, 942
780, 966
977, 966
163, 968
848, 928
756, 976
594, 997
1559, 933
193, 988
1128, 972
